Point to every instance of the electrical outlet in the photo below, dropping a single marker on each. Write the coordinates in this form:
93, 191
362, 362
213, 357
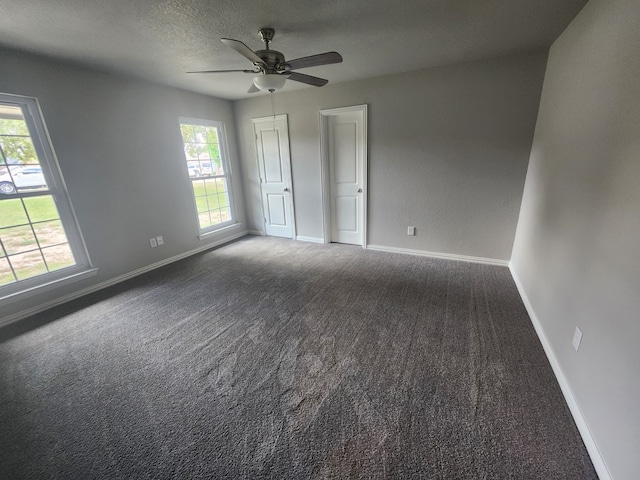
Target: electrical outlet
153, 242
160, 240
577, 338
411, 231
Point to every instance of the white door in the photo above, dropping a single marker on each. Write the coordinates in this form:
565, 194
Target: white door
345, 144
274, 167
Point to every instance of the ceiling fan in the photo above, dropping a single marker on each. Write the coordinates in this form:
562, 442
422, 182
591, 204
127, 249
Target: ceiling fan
271, 67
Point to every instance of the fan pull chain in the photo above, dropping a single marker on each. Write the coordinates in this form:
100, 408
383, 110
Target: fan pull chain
273, 109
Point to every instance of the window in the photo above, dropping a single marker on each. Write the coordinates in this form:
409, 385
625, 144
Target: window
40, 242
207, 163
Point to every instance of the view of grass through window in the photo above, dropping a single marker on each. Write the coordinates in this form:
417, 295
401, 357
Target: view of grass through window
32, 239
210, 181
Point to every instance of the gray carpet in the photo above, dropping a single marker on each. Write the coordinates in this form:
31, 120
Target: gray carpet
270, 358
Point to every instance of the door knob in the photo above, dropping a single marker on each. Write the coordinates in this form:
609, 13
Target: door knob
286, 189
359, 190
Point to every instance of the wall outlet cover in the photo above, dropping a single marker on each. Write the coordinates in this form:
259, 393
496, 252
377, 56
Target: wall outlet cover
160, 240
153, 242
411, 230
577, 338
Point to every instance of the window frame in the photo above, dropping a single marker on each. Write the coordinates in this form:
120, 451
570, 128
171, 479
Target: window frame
56, 188
226, 165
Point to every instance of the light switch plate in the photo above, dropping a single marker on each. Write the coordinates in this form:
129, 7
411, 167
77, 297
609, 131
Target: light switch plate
160, 240
153, 242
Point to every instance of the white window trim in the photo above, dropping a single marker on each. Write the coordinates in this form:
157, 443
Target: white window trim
58, 190
226, 165
50, 284
209, 233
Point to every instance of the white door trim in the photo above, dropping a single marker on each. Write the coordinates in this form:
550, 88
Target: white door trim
324, 158
271, 118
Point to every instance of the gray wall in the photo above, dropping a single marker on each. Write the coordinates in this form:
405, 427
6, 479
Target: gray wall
448, 153
120, 152
576, 248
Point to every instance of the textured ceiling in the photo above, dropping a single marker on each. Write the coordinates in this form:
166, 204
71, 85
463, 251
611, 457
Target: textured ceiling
160, 40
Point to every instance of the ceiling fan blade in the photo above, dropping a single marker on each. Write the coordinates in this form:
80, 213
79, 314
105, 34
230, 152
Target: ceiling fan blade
253, 89
226, 71
242, 49
314, 60
308, 79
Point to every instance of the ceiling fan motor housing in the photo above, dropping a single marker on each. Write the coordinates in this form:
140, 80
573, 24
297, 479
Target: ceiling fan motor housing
274, 60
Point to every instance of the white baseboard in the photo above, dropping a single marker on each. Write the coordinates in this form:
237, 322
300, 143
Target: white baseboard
581, 423
310, 239
447, 256
121, 278
255, 232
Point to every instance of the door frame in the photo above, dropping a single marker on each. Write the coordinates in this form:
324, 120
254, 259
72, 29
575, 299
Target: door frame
324, 163
271, 118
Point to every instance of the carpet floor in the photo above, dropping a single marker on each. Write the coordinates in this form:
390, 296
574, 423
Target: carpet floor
270, 358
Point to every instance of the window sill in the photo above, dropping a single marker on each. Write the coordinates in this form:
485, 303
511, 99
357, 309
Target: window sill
210, 233
46, 286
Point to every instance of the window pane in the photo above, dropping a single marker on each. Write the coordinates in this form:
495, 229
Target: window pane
18, 178
58, 257
205, 168
50, 233
225, 215
23, 171
20, 167
18, 239
218, 199
28, 177
217, 166
41, 208
203, 151
202, 204
18, 149
200, 132
211, 186
188, 135
12, 121
223, 200
198, 188
212, 135
27, 265
216, 217
6, 276
12, 213
205, 220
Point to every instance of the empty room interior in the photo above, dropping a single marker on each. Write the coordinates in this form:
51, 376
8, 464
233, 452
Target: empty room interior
333, 239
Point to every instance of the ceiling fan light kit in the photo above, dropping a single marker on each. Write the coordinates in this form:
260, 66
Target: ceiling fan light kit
272, 67
269, 82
